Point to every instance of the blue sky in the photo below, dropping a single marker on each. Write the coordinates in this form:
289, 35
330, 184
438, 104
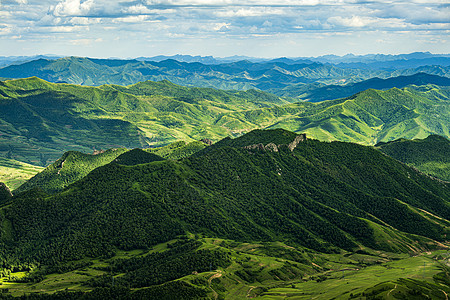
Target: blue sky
259, 28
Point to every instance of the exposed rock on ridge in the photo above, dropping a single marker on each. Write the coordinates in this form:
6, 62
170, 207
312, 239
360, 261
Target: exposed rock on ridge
274, 148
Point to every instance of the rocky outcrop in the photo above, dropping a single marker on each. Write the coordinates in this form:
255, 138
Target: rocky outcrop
269, 147
97, 152
206, 141
299, 138
274, 148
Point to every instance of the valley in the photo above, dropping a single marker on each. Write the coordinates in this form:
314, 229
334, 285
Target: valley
266, 271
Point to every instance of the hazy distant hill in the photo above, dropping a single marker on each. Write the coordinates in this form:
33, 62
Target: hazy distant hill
240, 75
390, 60
329, 92
16, 60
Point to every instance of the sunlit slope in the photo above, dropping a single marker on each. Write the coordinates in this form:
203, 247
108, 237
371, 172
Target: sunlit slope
13, 173
39, 121
430, 155
370, 116
72, 166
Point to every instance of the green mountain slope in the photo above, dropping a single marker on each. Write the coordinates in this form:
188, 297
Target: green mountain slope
322, 195
39, 121
263, 208
72, 166
5, 193
367, 117
179, 150
430, 155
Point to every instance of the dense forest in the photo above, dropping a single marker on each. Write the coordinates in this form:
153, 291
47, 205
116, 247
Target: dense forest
268, 186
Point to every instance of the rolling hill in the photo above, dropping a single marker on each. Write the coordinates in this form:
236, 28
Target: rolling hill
39, 121
73, 165
263, 208
368, 117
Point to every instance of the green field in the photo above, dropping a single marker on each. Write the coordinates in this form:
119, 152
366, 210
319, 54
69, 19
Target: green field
262, 271
14, 173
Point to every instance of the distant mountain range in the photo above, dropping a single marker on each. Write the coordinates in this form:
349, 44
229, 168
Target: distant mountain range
331, 59
16, 60
279, 76
321, 92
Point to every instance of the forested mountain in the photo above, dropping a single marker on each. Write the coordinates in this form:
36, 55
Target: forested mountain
305, 200
239, 75
430, 155
72, 166
41, 120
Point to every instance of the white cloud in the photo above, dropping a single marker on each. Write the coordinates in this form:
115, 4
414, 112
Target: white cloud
131, 19
354, 21
250, 12
14, 2
369, 22
5, 29
84, 20
246, 3
64, 29
201, 20
85, 42
138, 9
221, 26
73, 8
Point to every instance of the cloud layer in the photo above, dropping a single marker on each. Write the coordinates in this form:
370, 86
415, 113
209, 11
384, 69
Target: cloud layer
222, 27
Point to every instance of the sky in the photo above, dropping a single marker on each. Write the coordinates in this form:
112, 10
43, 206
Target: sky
257, 28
